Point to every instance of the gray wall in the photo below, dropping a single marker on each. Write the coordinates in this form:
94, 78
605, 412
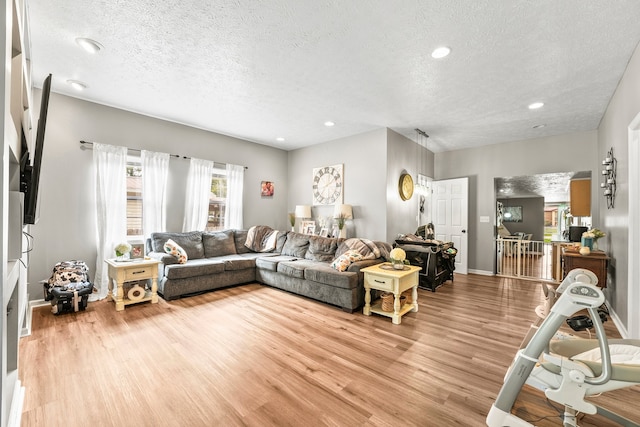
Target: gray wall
67, 226
364, 159
565, 153
532, 216
613, 132
403, 156
373, 162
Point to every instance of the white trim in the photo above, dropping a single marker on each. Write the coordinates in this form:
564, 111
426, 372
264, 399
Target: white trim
15, 415
616, 321
633, 291
26, 330
481, 272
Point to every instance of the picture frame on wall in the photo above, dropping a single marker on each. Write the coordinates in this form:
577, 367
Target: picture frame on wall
512, 214
267, 188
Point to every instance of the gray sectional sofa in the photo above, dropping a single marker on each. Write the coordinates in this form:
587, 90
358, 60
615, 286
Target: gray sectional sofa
299, 263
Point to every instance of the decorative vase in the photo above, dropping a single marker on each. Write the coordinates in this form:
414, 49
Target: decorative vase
398, 265
122, 256
587, 241
343, 233
595, 244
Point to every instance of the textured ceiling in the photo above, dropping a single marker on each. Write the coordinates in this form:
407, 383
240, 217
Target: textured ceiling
259, 70
554, 187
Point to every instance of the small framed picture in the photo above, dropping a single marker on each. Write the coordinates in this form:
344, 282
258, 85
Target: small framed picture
267, 188
137, 250
324, 232
309, 229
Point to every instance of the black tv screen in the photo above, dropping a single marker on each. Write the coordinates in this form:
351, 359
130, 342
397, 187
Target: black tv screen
30, 173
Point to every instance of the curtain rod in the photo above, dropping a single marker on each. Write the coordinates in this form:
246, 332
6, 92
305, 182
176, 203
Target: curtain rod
86, 145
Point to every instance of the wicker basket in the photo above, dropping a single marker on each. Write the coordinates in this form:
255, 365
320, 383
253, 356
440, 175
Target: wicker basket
409, 295
387, 301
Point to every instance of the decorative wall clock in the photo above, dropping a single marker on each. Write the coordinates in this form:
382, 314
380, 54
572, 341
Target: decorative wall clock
405, 186
328, 183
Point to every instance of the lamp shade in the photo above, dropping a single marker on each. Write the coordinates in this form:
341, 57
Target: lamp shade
303, 211
345, 211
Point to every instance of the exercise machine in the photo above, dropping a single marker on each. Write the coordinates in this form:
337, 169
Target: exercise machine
566, 368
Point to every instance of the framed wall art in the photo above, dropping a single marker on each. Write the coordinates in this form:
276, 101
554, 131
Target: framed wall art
512, 214
328, 185
267, 188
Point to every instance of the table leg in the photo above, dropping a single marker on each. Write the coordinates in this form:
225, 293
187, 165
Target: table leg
396, 319
367, 301
120, 296
154, 290
414, 293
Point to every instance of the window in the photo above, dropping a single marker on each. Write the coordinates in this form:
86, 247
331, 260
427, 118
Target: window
217, 200
134, 197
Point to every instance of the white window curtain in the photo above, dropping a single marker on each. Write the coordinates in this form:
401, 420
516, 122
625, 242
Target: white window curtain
155, 172
235, 192
110, 165
198, 193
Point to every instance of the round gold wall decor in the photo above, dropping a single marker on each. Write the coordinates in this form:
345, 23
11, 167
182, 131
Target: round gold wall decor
405, 186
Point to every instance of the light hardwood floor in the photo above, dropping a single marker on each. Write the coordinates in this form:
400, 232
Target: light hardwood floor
254, 355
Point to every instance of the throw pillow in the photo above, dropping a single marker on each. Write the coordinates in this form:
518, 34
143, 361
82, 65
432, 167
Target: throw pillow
172, 248
343, 262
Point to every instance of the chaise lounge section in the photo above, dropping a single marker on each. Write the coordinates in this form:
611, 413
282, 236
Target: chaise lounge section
298, 263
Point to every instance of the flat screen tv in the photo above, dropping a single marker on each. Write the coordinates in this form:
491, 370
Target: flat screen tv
30, 173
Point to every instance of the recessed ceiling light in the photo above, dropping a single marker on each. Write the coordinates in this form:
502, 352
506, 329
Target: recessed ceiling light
536, 105
440, 52
77, 85
89, 45
329, 123
539, 126
280, 139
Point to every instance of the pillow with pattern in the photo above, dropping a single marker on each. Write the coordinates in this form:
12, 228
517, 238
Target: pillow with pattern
344, 261
172, 248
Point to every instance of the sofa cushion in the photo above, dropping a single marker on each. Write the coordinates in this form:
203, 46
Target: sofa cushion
219, 243
172, 248
296, 245
323, 273
236, 262
240, 237
321, 248
191, 242
193, 268
282, 238
294, 268
271, 262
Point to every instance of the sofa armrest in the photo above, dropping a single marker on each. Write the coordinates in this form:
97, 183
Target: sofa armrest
356, 266
163, 257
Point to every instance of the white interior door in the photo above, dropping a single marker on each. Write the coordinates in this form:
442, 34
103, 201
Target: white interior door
450, 216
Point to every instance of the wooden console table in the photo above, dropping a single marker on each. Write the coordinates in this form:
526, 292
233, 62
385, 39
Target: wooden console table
132, 271
596, 261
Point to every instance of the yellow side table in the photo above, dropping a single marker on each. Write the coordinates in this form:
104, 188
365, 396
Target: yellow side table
384, 278
132, 271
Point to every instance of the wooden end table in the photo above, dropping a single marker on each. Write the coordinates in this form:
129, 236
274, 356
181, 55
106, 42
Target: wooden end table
121, 272
384, 278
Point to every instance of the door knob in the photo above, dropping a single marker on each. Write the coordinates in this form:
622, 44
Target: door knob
464, 231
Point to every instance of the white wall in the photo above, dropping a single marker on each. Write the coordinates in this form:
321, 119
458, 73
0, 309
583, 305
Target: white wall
67, 226
613, 132
565, 153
